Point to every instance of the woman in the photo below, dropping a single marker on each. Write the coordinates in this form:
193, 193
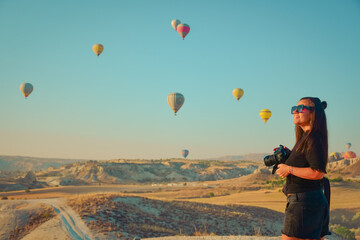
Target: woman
307, 210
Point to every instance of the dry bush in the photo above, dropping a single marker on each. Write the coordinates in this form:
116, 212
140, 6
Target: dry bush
44, 214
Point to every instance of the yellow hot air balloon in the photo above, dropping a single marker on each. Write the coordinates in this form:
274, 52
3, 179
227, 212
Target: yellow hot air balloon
175, 101
98, 49
26, 89
175, 23
335, 156
238, 93
265, 114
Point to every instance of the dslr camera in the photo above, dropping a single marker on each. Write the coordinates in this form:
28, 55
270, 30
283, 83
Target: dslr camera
280, 155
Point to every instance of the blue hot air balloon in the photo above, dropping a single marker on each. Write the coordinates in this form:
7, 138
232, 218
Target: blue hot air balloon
185, 153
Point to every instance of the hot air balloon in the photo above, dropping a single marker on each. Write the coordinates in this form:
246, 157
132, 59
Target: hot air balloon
349, 154
185, 153
26, 89
175, 23
98, 49
175, 101
348, 145
335, 156
183, 29
238, 93
265, 114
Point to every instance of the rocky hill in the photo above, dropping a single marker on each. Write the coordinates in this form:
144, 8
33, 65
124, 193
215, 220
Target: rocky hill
346, 166
258, 157
29, 181
122, 171
21, 163
157, 171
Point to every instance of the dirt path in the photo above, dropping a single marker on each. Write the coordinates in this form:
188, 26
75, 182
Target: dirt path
214, 238
70, 223
331, 237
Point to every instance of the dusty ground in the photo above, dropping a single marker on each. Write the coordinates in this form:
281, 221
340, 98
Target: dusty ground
216, 238
19, 217
124, 216
226, 238
65, 225
15, 212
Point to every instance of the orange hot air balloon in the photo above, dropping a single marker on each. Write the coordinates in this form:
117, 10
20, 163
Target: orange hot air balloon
183, 29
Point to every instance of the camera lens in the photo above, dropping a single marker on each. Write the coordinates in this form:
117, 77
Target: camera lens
270, 160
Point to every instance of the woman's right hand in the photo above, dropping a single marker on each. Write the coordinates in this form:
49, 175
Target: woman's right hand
283, 170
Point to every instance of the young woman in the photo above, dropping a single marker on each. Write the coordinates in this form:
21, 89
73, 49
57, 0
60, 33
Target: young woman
307, 210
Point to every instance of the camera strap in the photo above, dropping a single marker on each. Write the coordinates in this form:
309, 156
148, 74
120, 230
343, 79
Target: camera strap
326, 186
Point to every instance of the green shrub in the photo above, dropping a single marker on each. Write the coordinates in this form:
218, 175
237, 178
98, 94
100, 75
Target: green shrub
47, 215
211, 194
27, 190
4, 198
356, 218
278, 182
345, 233
337, 179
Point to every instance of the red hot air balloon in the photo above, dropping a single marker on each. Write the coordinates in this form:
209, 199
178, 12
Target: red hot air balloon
183, 29
349, 154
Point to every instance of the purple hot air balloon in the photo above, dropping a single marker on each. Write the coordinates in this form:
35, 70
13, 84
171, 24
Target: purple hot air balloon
185, 153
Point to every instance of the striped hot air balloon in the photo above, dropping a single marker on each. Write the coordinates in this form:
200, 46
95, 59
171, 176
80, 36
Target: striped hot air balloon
26, 89
175, 101
349, 154
348, 145
183, 29
265, 114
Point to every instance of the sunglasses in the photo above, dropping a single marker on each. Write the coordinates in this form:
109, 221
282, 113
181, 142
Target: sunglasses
300, 108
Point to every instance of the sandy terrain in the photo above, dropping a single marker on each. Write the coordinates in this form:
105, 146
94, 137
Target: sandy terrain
18, 217
50, 230
215, 238
331, 237
119, 215
73, 190
69, 225
66, 225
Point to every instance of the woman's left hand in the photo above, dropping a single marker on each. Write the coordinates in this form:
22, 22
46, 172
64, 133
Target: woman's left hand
283, 170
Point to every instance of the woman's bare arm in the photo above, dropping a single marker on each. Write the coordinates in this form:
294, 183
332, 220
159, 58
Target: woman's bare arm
306, 173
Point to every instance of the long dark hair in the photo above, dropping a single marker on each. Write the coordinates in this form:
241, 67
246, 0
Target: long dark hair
318, 128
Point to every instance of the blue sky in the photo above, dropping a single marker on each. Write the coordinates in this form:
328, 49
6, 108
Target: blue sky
115, 106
